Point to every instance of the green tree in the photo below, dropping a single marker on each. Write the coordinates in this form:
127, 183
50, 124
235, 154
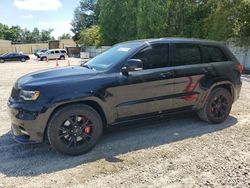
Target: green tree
46, 35
36, 35
85, 15
91, 37
65, 36
17, 34
27, 36
228, 19
151, 18
117, 20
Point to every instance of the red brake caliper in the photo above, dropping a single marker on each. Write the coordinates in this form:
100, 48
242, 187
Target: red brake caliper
87, 130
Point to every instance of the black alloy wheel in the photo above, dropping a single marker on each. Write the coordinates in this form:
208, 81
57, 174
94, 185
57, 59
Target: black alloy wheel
75, 129
217, 107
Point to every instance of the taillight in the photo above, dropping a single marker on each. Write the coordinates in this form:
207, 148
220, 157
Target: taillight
240, 68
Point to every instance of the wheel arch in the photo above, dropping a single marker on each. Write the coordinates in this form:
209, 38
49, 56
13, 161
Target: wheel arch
95, 105
222, 84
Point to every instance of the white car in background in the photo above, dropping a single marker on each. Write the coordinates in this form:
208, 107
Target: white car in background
54, 54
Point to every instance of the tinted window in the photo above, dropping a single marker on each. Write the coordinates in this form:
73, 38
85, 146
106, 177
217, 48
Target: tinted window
57, 52
13, 54
214, 54
63, 51
154, 56
187, 54
52, 52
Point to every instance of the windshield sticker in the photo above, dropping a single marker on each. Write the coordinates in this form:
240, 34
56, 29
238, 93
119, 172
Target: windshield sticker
123, 49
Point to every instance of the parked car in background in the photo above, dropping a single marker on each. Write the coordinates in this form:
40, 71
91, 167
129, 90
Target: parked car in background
38, 53
131, 81
54, 54
13, 57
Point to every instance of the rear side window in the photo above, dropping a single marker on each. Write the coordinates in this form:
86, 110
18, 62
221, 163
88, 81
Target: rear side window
57, 52
154, 56
187, 54
214, 54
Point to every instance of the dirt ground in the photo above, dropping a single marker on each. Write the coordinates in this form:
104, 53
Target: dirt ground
176, 152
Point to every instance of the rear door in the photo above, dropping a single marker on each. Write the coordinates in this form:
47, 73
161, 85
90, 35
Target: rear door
190, 73
146, 92
16, 57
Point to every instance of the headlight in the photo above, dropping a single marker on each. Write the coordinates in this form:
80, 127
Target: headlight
29, 95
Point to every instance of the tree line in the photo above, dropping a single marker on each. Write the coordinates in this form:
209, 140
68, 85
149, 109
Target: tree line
18, 35
106, 22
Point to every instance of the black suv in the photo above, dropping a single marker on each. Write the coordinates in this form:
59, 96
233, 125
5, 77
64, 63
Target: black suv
134, 80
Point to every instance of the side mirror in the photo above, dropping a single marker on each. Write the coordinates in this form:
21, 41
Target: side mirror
132, 65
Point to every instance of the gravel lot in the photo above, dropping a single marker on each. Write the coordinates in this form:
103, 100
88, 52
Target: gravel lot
176, 152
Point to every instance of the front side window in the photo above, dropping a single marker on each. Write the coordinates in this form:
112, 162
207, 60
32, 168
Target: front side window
154, 56
214, 54
187, 54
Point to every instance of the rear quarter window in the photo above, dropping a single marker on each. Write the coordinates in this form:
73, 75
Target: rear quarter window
214, 54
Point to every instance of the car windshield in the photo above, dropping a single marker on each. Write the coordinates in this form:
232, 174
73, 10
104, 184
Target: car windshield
112, 56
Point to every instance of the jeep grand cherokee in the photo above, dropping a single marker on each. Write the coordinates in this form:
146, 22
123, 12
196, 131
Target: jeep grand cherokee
133, 80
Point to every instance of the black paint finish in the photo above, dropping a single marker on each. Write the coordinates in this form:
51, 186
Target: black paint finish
120, 98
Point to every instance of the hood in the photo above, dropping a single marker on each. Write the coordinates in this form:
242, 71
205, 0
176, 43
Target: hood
56, 75
41, 53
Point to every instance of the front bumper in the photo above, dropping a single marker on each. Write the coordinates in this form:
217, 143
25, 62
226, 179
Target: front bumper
20, 137
27, 125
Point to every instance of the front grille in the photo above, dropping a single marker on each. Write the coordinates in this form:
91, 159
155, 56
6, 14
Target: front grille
15, 93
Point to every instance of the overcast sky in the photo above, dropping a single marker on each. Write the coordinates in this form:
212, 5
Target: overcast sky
43, 14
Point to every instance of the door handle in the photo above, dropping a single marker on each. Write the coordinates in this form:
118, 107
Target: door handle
207, 70
166, 74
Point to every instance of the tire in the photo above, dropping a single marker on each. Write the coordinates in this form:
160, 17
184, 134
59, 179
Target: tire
217, 107
23, 60
62, 58
43, 58
1, 60
75, 129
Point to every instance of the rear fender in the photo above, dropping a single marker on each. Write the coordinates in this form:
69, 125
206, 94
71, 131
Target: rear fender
223, 84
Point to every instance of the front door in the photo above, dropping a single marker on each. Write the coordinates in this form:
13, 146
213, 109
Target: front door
51, 55
149, 91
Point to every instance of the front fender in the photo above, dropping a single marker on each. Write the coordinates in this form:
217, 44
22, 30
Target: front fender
60, 101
